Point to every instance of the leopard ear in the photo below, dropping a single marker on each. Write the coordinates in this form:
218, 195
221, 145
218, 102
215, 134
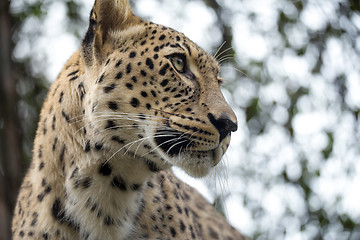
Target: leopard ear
106, 16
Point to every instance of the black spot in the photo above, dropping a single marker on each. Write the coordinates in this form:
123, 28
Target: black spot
93, 208
118, 63
156, 49
67, 118
177, 38
179, 209
98, 146
57, 210
61, 97
41, 196
132, 54
40, 152
162, 37
41, 166
164, 82
54, 144
47, 190
99, 213
142, 72
163, 69
188, 48
73, 73
152, 166
21, 233
144, 94
149, 63
128, 68
164, 194
111, 125
109, 88
62, 153
73, 78
172, 231
118, 140
156, 56
119, 75
129, 86
113, 106
182, 226
53, 123
86, 183
101, 78
87, 146
119, 183
134, 79
45, 236
34, 221
135, 102
193, 236
148, 106
153, 93
143, 43
105, 169
150, 184
82, 91
165, 99
135, 187
108, 221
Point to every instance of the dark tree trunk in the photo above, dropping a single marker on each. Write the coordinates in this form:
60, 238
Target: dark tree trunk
11, 162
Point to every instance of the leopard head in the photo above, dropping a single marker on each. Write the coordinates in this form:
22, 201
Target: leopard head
154, 94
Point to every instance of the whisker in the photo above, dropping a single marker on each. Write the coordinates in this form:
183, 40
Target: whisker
217, 51
225, 58
238, 70
224, 53
168, 141
167, 152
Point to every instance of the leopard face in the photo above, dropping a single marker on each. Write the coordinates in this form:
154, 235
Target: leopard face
155, 95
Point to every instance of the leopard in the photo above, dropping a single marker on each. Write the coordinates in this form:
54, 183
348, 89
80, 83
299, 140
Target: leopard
135, 100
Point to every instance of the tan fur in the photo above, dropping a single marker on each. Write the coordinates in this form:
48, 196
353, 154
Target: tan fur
120, 114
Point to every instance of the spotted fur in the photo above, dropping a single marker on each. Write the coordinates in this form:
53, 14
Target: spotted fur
134, 100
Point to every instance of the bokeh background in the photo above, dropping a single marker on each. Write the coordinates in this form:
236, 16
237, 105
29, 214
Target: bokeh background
292, 71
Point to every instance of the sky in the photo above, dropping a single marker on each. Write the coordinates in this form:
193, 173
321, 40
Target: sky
250, 173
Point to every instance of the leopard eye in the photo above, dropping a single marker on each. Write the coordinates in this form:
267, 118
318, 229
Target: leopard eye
179, 63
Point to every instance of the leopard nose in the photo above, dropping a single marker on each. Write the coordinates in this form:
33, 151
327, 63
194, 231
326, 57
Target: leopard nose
223, 124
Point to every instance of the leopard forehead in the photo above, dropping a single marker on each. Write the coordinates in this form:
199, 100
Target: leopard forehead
154, 40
